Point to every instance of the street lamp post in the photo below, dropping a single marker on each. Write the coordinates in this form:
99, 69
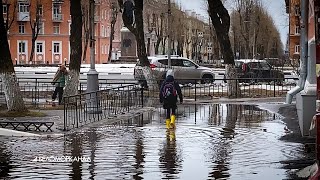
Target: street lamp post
92, 75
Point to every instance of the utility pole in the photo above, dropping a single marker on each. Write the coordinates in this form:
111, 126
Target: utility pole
169, 34
92, 75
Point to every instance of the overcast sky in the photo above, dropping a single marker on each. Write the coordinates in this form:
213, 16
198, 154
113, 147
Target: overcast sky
276, 9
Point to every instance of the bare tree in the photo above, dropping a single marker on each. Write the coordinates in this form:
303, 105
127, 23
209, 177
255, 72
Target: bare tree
254, 32
160, 30
7, 74
35, 25
86, 25
76, 48
138, 30
114, 11
221, 22
10, 17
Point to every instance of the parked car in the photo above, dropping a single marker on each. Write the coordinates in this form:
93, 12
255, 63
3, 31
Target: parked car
185, 70
257, 71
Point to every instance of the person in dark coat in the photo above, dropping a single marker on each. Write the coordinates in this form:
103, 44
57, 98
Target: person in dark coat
169, 92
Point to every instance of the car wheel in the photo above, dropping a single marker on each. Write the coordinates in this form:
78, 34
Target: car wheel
207, 79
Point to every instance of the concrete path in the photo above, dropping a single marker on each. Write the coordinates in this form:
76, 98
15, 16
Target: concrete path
9, 132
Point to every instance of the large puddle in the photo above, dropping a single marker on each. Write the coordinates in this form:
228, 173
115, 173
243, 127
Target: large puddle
214, 141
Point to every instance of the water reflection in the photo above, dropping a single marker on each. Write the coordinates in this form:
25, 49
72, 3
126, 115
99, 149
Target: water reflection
211, 141
170, 161
76, 151
5, 165
93, 138
139, 155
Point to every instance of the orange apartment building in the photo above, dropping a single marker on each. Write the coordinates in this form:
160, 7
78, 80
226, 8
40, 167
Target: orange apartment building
52, 45
293, 10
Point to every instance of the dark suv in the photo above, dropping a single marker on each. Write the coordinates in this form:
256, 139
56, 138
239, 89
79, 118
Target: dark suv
257, 71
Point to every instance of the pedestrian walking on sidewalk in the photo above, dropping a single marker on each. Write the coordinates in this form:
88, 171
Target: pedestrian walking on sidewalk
169, 92
59, 80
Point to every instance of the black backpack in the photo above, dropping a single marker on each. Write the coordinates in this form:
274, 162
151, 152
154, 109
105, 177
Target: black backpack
169, 91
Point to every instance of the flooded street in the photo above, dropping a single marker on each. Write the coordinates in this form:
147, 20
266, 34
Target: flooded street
211, 141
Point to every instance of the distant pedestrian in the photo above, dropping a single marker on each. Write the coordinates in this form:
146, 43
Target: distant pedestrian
59, 81
169, 92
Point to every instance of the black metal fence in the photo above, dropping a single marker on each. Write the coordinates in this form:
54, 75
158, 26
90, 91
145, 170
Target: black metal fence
86, 108
257, 87
38, 90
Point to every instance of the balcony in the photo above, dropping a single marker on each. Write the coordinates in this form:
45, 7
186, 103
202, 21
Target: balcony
23, 16
57, 17
57, 1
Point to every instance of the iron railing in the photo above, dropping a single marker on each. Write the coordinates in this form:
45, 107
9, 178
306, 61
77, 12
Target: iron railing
258, 87
86, 108
37, 90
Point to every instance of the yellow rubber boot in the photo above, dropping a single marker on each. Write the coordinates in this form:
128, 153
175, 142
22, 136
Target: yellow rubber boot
173, 121
167, 123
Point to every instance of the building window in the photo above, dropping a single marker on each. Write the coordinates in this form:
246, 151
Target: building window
297, 49
5, 8
108, 31
56, 9
39, 47
56, 29
56, 48
23, 7
40, 10
22, 47
102, 31
297, 30
21, 28
102, 49
41, 28
296, 10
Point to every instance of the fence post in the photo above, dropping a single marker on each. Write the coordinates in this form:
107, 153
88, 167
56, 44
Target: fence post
195, 90
64, 115
274, 89
141, 97
237, 88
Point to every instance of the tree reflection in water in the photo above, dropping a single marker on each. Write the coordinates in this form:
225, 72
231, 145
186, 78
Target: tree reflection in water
5, 165
139, 156
76, 151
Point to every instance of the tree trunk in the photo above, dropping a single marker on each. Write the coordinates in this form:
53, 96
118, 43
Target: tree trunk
9, 80
86, 43
141, 47
33, 42
157, 46
221, 22
110, 45
76, 48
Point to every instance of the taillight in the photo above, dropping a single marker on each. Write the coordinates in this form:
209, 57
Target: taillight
244, 67
152, 66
